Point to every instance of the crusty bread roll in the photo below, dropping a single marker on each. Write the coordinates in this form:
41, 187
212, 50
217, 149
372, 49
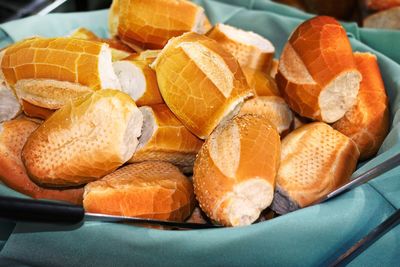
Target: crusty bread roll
249, 48
164, 138
317, 74
119, 50
155, 190
200, 82
34, 111
13, 135
234, 172
138, 80
151, 23
274, 108
382, 4
9, 105
261, 82
386, 19
299, 121
84, 140
49, 72
367, 123
148, 55
315, 160
113, 18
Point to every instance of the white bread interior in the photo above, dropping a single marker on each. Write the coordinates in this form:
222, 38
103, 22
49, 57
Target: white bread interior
9, 104
334, 102
107, 76
248, 38
131, 77
149, 126
199, 24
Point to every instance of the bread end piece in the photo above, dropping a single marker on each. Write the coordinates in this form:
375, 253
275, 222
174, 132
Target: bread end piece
9, 104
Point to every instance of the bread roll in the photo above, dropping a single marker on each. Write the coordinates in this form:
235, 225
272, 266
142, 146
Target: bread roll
261, 83
382, 4
155, 190
113, 18
234, 172
118, 49
148, 55
249, 48
317, 74
151, 23
367, 123
13, 135
84, 140
274, 68
341, 9
299, 121
200, 82
49, 72
274, 108
138, 80
387, 19
9, 105
34, 111
164, 138
315, 160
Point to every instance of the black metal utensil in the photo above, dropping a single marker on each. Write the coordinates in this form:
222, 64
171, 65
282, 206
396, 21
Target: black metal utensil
368, 240
30, 210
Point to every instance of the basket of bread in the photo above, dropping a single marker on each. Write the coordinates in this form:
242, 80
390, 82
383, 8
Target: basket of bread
175, 118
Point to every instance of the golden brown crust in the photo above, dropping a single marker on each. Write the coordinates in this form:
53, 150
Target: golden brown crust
367, 123
34, 111
386, 19
84, 140
315, 160
191, 65
262, 83
238, 153
151, 23
248, 55
13, 136
381, 4
170, 141
316, 55
155, 190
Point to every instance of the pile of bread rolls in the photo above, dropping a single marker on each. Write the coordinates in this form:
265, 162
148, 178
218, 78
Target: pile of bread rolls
115, 125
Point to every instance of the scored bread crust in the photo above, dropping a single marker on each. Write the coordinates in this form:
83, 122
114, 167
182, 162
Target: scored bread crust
119, 50
13, 136
155, 190
49, 72
367, 123
317, 74
249, 48
273, 108
151, 23
315, 160
200, 82
169, 140
234, 172
138, 80
84, 140
262, 83
34, 111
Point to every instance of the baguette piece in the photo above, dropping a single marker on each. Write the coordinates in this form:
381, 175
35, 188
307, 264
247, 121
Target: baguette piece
386, 19
154, 190
317, 74
381, 4
34, 111
119, 50
200, 82
367, 123
13, 136
249, 48
273, 108
138, 80
234, 172
261, 82
315, 160
164, 138
148, 55
9, 104
151, 23
84, 140
49, 72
